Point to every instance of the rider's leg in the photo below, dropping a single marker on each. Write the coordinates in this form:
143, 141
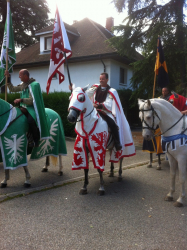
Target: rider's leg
32, 127
114, 130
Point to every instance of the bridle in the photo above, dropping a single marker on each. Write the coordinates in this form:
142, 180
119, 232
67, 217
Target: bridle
85, 115
153, 113
152, 128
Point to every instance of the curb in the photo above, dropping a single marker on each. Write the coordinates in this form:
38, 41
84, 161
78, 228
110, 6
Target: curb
67, 182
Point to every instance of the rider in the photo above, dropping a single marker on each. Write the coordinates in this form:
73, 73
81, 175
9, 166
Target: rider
31, 103
179, 102
165, 94
103, 101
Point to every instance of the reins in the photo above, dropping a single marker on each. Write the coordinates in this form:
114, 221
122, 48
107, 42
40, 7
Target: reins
6, 111
14, 119
86, 115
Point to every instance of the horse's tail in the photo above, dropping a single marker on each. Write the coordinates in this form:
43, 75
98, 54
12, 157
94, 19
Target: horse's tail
54, 160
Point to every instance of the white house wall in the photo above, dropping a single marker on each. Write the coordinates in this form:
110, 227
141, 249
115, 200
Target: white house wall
81, 74
115, 75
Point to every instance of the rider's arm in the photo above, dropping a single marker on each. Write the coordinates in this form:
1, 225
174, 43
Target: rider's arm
13, 88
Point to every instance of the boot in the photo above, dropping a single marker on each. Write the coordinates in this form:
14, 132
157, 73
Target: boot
115, 134
34, 131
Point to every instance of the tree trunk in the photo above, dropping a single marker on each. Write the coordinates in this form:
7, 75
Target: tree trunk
180, 37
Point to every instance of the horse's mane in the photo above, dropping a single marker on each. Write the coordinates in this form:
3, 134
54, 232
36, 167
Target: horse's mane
161, 103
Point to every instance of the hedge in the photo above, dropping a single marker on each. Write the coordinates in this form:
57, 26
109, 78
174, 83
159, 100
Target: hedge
59, 101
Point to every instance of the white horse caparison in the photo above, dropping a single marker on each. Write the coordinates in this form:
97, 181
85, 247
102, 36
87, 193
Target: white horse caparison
160, 112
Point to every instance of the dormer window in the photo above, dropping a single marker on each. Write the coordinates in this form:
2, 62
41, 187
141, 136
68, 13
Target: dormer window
48, 42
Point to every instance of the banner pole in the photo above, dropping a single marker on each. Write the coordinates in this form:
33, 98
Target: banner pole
68, 70
6, 75
8, 1
154, 85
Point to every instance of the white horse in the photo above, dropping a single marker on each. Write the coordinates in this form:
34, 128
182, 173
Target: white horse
173, 127
82, 112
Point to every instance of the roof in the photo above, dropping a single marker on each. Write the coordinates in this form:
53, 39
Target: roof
49, 29
89, 45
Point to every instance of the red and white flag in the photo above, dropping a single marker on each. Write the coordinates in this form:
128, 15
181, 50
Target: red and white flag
60, 45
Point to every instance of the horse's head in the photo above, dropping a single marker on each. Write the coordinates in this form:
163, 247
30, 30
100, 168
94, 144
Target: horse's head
149, 118
79, 104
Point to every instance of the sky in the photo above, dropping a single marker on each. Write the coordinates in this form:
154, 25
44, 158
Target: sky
96, 10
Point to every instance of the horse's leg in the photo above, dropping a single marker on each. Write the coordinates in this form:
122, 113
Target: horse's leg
182, 178
101, 189
47, 164
173, 169
159, 163
60, 172
120, 170
84, 188
150, 161
111, 174
27, 175
7, 176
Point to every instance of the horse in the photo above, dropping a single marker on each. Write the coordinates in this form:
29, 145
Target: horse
174, 134
14, 132
93, 139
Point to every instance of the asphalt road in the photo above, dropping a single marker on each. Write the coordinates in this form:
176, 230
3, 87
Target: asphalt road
132, 214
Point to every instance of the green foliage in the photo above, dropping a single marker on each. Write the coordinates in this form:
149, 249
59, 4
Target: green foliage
130, 109
139, 32
59, 101
28, 16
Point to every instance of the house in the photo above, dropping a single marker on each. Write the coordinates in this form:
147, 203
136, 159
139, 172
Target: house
91, 55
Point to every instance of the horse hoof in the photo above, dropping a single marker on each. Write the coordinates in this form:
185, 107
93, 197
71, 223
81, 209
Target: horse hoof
111, 175
3, 185
83, 191
101, 192
149, 166
168, 198
158, 168
44, 170
119, 178
60, 173
177, 204
27, 185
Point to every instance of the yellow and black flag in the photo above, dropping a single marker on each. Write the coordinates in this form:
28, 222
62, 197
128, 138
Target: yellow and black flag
160, 66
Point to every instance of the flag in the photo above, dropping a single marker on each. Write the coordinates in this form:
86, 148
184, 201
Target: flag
8, 42
160, 66
60, 46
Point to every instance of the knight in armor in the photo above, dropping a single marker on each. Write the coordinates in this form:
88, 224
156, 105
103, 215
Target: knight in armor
31, 105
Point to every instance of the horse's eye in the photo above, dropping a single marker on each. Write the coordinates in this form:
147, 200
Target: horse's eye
81, 97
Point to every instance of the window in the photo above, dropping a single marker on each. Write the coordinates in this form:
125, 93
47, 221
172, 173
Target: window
48, 42
123, 76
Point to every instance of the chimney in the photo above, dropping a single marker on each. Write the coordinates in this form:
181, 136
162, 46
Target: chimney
109, 23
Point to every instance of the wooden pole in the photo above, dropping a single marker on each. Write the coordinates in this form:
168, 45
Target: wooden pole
154, 85
155, 69
8, 1
68, 70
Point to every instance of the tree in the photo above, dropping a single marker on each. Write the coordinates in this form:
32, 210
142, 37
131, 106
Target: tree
28, 16
139, 32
